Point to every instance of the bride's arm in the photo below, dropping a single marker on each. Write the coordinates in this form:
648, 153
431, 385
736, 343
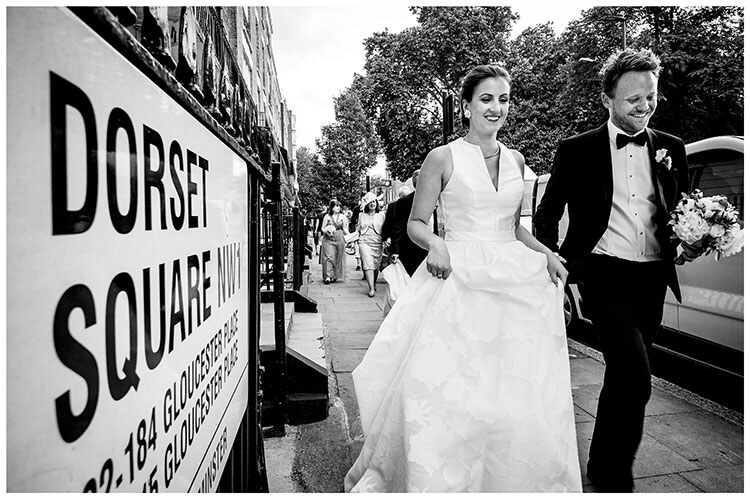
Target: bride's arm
555, 266
433, 176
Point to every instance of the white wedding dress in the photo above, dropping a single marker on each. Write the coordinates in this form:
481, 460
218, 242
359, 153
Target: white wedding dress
466, 386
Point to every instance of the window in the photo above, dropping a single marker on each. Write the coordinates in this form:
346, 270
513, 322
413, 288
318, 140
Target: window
719, 171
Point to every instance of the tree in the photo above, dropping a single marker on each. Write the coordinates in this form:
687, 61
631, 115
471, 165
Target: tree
349, 147
556, 82
310, 189
702, 84
701, 49
532, 126
407, 74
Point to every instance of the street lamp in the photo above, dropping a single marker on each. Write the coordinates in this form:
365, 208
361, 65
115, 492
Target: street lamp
620, 19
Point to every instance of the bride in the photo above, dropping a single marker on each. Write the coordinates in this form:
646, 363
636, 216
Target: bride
466, 386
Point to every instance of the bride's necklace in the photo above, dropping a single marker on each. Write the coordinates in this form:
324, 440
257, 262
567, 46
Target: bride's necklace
493, 154
486, 157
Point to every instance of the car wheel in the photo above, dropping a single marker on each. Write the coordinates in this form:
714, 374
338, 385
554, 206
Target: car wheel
569, 309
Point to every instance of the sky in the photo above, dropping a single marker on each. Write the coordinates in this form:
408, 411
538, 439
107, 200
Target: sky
318, 49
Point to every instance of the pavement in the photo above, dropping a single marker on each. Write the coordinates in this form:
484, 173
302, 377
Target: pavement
689, 445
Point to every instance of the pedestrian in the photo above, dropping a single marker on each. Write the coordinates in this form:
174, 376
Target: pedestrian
318, 230
466, 385
352, 229
390, 218
369, 227
334, 226
401, 246
618, 248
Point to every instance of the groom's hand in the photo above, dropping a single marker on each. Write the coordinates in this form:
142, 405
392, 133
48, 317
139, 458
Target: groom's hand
689, 253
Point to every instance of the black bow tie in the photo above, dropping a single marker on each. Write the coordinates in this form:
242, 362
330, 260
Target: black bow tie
622, 140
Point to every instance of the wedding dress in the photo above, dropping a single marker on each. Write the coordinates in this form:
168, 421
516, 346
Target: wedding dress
466, 386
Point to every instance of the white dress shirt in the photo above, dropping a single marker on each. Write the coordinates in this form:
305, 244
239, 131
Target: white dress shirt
630, 234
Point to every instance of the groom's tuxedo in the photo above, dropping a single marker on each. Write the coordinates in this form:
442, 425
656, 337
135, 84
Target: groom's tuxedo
582, 179
623, 283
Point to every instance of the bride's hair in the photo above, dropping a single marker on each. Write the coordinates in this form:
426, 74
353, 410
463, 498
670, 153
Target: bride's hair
474, 77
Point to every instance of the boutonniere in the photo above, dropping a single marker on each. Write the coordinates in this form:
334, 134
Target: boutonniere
662, 157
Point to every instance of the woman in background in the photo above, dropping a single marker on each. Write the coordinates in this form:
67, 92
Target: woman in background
370, 227
332, 247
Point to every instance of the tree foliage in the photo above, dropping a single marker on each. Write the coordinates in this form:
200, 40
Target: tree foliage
702, 51
407, 74
556, 88
349, 147
310, 189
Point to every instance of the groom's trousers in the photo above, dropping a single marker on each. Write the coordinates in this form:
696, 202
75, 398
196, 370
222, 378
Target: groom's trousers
624, 300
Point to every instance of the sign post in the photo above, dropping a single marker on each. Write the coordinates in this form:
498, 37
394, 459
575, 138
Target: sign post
128, 323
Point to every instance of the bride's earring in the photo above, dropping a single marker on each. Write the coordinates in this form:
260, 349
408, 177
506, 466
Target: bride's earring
467, 114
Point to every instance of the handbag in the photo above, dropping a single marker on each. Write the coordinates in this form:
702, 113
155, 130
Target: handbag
352, 237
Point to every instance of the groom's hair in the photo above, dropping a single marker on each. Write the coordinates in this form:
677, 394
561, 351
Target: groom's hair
626, 60
474, 77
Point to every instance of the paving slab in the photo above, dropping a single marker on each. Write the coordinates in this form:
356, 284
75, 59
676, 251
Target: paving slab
586, 397
725, 479
360, 300
359, 316
655, 458
349, 327
584, 430
348, 396
348, 293
585, 371
362, 340
662, 403
664, 484
347, 360
349, 308
700, 436
581, 416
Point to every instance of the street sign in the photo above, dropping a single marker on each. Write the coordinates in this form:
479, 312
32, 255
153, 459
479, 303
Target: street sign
127, 257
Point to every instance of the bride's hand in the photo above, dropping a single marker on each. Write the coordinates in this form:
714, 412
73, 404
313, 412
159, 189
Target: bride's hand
439, 260
556, 269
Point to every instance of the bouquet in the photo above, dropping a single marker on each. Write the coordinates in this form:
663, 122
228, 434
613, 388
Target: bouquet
708, 222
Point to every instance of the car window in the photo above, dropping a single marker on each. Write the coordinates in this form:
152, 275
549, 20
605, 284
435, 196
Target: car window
719, 171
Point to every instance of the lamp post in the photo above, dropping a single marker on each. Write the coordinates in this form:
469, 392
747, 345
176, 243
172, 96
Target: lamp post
448, 106
620, 19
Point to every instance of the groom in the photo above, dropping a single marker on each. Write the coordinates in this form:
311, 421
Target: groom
619, 192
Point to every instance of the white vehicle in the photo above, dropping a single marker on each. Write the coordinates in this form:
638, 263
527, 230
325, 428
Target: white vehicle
707, 326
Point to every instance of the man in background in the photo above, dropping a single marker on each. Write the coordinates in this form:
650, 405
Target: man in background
402, 247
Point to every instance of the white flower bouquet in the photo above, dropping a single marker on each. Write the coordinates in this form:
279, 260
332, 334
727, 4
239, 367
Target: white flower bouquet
709, 222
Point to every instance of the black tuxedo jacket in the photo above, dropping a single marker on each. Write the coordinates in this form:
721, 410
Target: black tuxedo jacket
582, 178
353, 221
390, 218
409, 253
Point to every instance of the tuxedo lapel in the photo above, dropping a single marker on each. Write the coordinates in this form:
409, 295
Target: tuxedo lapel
657, 171
602, 156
